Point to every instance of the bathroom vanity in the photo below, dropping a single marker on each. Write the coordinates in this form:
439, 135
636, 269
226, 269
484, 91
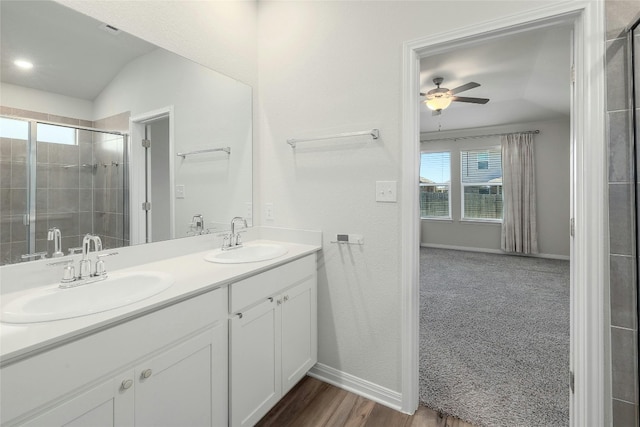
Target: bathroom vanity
220, 347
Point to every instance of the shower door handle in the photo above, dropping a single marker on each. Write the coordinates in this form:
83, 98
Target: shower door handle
25, 219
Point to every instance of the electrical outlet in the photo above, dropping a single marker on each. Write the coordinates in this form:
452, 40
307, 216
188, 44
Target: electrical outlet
249, 210
268, 211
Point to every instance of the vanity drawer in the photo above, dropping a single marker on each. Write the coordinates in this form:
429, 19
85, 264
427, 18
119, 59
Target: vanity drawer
247, 292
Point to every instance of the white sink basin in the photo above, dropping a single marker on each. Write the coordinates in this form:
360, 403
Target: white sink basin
250, 253
54, 303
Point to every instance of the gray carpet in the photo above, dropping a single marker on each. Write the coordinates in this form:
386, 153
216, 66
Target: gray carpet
494, 338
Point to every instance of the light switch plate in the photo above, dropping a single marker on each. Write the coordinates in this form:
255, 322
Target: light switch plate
179, 191
386, 191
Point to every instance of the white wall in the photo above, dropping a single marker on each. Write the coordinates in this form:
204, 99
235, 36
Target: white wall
323, 67
552, 148
211, 111
45, 102
336, 66
218, 34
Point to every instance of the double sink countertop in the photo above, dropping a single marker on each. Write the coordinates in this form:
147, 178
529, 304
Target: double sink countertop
193, 276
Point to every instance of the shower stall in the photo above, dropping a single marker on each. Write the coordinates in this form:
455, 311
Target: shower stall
69, 177
633, 74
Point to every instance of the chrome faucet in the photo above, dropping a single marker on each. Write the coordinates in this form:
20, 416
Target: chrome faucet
55, 235
198, 222
85, 264
233, 240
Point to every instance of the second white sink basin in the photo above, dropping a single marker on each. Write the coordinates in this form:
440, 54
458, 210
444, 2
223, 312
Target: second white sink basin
250, 253
54, 303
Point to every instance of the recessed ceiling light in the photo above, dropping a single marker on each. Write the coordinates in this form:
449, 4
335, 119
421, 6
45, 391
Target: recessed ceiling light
21, 63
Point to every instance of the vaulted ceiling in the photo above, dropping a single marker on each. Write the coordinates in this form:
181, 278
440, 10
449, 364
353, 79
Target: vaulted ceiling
72, 54
526, 76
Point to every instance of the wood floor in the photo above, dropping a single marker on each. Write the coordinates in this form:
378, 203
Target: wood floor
313, 403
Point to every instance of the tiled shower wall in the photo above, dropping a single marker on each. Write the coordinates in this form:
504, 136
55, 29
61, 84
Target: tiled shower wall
111, 192
13, 199
622, 228
86, 181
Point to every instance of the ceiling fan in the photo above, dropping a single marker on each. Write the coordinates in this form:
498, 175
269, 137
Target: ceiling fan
440, 98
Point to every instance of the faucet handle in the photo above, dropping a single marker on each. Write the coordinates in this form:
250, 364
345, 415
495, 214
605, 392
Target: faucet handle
68, 273
107, 254
100, 268
73, 251
35, 255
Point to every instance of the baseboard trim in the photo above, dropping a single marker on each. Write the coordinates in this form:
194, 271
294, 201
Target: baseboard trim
492, 251
378, 394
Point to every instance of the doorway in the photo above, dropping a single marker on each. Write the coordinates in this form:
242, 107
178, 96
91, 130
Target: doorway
152, 186
588, 260
494, 334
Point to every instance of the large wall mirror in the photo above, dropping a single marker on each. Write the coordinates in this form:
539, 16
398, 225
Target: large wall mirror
104, 133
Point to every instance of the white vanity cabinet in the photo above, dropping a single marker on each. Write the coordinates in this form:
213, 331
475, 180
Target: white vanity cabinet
168, 367
177, 387
107, 404
273, 341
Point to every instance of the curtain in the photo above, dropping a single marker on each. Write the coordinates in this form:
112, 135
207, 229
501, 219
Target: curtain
519, 234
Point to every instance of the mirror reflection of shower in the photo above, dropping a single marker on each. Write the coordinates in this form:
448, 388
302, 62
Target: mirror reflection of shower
69, 177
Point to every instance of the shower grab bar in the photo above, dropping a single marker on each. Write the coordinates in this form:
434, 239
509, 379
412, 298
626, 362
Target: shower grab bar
374, 133
210, 150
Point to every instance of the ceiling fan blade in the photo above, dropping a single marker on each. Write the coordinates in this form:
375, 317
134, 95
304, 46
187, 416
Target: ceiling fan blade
471, 100
462, 88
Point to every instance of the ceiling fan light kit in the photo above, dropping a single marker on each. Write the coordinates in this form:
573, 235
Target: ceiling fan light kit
438, 102
439, 98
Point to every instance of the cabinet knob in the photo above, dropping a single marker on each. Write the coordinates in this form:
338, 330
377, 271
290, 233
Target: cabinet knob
279, 301
146, 373
286, 298
126, 384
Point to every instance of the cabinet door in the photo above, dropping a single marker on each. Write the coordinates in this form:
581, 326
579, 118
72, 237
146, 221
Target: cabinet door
177, 387
255, 363
299, 332
108, 404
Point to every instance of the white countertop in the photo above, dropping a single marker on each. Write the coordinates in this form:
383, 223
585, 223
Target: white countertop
193, 276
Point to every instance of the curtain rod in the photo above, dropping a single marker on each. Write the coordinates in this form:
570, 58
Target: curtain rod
477, 136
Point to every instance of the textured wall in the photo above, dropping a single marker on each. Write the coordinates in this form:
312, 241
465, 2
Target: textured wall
623, 265
220, 35
336, 67
324, 67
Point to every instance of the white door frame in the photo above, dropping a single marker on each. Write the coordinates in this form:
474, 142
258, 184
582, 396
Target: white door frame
137, 178
589, 260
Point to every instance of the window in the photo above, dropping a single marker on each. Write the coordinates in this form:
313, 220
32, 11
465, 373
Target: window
435, 185
14, 129
481, 178
19, 129
56, 134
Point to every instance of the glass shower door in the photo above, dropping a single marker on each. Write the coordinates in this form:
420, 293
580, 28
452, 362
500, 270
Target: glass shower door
58, 176
14, 185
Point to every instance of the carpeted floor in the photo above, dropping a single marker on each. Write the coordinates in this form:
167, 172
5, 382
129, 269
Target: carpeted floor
494, 338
